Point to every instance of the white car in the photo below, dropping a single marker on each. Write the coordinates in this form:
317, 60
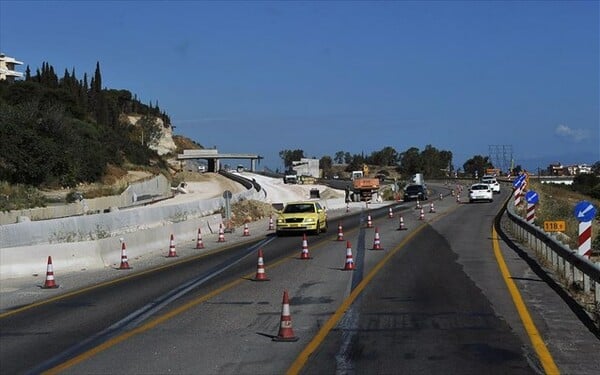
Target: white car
492, 182
480, 192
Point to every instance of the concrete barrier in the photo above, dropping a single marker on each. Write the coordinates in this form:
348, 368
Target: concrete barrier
88, 242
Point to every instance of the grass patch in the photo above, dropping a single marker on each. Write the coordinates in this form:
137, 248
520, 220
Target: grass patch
558, 203
18, 197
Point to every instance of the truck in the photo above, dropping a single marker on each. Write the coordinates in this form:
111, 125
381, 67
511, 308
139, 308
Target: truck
363, 188
417, 179
290, 177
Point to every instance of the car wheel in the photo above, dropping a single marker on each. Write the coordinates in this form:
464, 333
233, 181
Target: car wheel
318, 230
325, 227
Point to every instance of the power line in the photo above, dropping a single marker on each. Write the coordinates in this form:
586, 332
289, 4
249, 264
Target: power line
501, 156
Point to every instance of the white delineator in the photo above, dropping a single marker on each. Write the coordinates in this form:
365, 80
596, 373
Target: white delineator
585, 239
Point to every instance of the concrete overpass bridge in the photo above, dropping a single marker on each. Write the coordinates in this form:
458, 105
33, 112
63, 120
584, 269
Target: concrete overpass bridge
213, 158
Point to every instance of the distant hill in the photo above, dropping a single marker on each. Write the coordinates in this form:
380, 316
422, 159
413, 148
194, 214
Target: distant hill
61, 132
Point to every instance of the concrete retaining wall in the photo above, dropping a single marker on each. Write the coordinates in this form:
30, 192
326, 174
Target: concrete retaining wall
155, 188
92, 241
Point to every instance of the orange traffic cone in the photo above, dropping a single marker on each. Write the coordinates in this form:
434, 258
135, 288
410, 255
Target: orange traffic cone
441, 196
199, 243
221, 234
49, 283
340, 236
286, 333
457, 198
421, 215
431, 208
418, 204
391, 213
260, 268
172, 252
271, 225
124, 261
376, 241
246, 230
347, 207
369, 222
349, 266
304, 254
401, 227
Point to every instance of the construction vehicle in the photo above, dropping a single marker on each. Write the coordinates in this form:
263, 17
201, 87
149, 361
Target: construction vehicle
363, 188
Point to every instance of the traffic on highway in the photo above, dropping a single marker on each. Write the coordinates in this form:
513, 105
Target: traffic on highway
397, 287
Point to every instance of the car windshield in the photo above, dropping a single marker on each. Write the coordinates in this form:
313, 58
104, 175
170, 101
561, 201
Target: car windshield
413, 188
479, 187
299, 208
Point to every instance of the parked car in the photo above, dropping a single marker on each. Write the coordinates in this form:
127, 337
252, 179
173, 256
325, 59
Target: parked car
305, 216
413, 192
479, 192
490, 180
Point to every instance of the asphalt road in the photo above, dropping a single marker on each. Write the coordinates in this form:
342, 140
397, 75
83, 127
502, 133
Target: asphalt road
432, 301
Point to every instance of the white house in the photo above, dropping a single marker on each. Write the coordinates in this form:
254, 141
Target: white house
7, 68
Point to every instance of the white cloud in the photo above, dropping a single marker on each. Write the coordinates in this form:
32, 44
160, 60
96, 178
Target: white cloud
576, 135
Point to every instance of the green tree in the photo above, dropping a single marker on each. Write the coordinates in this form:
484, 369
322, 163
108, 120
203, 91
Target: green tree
410, 162
339, 157
596, 168
387, 156
326, 163
586, 183
150, 130
289, 156
477, 164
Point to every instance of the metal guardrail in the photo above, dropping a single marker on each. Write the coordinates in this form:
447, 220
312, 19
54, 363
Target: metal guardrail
574, 269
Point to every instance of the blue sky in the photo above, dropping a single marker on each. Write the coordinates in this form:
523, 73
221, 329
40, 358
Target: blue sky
264, 76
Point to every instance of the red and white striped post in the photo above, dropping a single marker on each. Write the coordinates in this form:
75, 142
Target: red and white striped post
585, 239
585, 213
517, 196
530, 216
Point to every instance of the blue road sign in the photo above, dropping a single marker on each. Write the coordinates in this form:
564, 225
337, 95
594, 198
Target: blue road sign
518, 181
532, 197
584, 211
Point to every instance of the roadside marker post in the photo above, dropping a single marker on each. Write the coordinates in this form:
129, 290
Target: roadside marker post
585, 213
532, 199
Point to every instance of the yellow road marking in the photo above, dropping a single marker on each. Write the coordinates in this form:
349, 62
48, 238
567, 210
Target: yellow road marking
162, 318
334, 319
118, 280
536, 339
158, 320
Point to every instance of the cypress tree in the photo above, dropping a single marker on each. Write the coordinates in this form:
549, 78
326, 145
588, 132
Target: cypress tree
97, 87
27, 74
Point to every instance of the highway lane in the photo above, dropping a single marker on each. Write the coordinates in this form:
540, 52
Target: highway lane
434, 308
228, 330
48, 334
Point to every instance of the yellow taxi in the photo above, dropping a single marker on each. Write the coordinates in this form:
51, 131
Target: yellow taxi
305, 216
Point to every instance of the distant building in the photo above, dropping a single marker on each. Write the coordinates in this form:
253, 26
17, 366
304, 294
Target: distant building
558, 169
7, 68
579, 169
306, 167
